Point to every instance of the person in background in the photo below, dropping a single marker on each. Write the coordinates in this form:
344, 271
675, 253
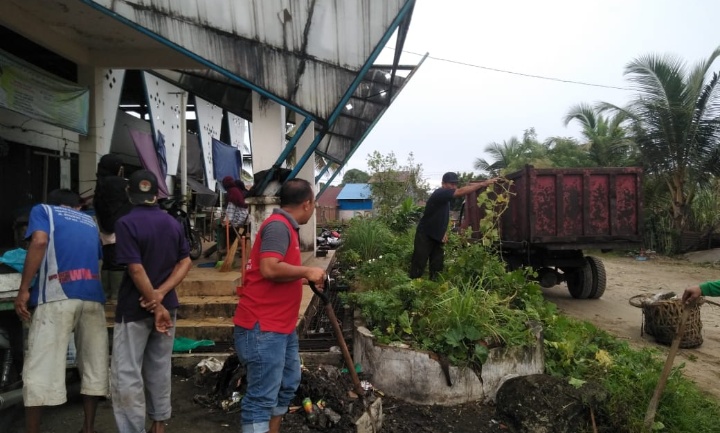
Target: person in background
267, 313
431, 232
110, 202
65, 254
241, 186
153, 246
236, 211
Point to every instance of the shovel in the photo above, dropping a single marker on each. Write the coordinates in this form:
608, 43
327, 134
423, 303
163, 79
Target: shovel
341, 340
652, 407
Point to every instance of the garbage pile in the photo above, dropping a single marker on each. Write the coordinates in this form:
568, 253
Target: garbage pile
325, 400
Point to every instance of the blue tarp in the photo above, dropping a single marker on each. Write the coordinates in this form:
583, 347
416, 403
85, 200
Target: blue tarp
15, 259
227, 160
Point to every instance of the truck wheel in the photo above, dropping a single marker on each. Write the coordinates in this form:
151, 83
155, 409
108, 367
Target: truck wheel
599, 278
580, 282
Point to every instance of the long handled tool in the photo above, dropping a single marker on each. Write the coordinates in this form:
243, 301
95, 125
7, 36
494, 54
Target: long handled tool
652, 407
229, 259
341, 340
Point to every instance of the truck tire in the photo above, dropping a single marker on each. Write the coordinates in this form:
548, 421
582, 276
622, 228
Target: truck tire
599, 278
580, 282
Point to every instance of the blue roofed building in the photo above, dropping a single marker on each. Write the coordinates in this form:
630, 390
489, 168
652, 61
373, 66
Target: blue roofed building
355, 199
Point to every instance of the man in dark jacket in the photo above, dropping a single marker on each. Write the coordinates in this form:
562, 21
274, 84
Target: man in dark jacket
110, 203
431, 233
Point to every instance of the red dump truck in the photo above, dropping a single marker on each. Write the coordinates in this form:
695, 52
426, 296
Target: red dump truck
556, 213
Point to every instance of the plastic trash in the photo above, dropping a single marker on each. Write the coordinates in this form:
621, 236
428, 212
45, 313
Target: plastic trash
213, 364
183, 344
233, 403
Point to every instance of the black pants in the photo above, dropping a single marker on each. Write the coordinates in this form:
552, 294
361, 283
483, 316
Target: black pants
426, 249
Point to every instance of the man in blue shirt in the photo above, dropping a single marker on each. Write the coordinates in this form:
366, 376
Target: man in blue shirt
153, 246
431, 232
68, 297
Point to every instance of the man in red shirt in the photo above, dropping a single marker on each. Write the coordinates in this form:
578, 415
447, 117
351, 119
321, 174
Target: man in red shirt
267, 313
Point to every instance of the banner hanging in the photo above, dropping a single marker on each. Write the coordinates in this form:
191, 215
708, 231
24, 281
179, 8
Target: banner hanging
28, 90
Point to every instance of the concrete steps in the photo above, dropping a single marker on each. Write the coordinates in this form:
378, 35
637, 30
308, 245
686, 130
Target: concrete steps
208, 299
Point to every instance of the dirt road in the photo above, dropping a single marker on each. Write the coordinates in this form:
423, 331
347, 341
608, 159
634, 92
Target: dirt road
627, 277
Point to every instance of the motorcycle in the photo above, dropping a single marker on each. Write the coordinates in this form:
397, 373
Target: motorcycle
328, 240
173, 207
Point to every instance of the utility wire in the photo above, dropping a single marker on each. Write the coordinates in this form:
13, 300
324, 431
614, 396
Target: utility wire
541, 77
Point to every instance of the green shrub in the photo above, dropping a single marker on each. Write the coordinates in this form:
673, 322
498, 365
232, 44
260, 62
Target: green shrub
477, 304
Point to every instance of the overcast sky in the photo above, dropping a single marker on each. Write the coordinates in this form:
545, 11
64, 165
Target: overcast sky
448, 113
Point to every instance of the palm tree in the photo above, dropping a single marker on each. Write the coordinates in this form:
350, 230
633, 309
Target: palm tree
512, 154
567, 152
608, 144
676, 116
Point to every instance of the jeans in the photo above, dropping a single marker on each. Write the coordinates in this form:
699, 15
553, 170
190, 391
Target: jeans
273, 375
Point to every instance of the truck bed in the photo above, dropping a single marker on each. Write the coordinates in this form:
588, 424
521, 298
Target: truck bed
569, 208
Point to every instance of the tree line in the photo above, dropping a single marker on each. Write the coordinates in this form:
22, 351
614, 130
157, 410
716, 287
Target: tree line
670, 127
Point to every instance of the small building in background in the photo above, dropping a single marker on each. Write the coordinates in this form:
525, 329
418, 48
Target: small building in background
326, 206
354, 200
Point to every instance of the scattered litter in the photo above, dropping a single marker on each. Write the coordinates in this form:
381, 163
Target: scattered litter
366, 385
183, 344
232, 404
358, 369
211, 363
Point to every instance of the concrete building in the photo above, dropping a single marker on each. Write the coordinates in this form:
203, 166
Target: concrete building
276, 80
355, 200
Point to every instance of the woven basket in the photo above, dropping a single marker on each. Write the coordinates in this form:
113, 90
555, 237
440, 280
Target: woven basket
661, 319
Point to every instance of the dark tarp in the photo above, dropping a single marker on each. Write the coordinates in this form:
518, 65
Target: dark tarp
204, 196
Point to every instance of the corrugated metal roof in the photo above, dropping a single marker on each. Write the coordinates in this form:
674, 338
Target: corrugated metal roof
355, 191
316, 57
329, 197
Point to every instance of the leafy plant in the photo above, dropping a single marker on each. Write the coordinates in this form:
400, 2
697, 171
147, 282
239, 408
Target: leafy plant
404, 216
368, 238
478, 304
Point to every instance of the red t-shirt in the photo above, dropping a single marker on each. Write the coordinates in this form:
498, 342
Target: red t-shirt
276, 305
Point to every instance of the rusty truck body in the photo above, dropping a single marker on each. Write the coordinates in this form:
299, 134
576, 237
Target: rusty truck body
556, 213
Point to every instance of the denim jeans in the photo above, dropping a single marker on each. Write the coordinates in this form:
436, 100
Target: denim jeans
273, 374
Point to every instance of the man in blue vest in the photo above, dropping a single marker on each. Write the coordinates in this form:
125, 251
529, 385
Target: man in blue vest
68, 297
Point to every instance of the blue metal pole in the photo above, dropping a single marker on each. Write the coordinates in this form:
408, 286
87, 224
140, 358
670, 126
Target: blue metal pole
322, 173
284, 154
372, 125
356, 82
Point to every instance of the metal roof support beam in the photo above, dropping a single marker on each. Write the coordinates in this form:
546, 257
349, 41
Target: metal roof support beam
402, 34
407, 8
322, 173
201, 60
285, 153
370, 128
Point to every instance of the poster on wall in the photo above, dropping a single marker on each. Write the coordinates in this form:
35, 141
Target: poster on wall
28, 90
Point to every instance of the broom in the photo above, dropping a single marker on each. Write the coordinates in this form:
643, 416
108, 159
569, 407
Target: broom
230, 256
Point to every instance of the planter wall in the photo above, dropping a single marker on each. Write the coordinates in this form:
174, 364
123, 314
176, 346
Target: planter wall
416, 377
